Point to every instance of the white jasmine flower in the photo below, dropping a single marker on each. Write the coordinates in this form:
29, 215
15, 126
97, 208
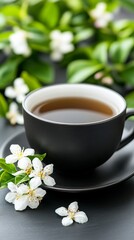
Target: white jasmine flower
23, 195
42, 173
71, 214
13, 114
61, 43
107, 80
19, 45
25, 164
18, 91
18, 154
98, 75
100, 15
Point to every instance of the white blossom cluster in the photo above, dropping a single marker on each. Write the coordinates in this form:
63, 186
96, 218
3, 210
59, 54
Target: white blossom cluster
16, 92
100, 15
30, 194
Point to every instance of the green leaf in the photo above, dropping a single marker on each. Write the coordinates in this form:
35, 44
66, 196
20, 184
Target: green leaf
10, 168
75, 65
10, 10
5, 178
1, 171
100, 52
130, 100
66, 18
8, 72
31, 81
5, 35
40, 156
40, 70
84, 35
21, 178
75, 5
3, 106
127, 75
128, 4
120, 50
80, 70
49, 14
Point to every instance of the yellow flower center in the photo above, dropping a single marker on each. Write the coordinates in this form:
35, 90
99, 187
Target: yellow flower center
31, 193
17, 196
20, 154
71, 215
28, 170
41, 174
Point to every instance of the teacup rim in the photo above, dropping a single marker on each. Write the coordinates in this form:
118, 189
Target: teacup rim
73, 124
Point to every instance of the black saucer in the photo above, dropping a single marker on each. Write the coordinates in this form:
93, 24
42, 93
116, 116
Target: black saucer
118, 168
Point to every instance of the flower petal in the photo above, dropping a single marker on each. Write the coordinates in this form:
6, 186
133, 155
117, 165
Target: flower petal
18, 82
15, 149
24, 163
34, 203
12, 187
73, 207
22, 189
66, 221
13, 107
48, 169
18, 173
20, 98
61, 211
19, 119
80, 217
56, 55
49, 181
11, 159
10, 197
33, 174
66, 48
37, 164
35, 183
29, 152
67, 37
39, 192
21, 203
10, 92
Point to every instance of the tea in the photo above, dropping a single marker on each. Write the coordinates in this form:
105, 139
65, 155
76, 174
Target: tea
73, 110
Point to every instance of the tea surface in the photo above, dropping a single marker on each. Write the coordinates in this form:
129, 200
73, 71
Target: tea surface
73, 110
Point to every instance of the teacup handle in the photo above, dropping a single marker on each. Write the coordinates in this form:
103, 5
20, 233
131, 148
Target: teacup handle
130, 137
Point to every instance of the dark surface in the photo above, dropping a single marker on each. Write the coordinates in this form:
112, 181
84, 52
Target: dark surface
110, 212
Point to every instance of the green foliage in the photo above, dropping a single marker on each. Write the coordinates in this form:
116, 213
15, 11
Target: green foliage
22, 178
127, 74
130, 99
10, 168
120, 50
128, 3
8, 72
100, 52
109, 49
5, 178
40, 70
39, 156
79, 71
3, 106
49, 9
31, 81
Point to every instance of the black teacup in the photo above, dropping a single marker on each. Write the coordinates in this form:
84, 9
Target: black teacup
79, 126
